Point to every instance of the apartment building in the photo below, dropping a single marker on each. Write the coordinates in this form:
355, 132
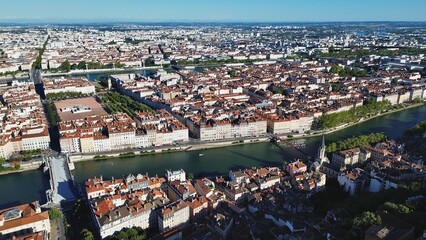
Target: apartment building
178, 175
22, 220
160, 128
289, 123
350, 157
181, 190
23, 125
98, 187
172, 215
111, 216
198, 207
353, 182
132, 201
215, 129
119, 131
69, 84
296, 167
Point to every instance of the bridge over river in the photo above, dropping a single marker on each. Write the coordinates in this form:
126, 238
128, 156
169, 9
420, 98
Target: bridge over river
62, 188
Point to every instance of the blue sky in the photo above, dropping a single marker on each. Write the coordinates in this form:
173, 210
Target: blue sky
212, 10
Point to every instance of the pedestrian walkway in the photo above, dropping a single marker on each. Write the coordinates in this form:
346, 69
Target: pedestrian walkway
62, 188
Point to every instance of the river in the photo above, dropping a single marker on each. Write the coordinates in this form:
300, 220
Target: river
29, 186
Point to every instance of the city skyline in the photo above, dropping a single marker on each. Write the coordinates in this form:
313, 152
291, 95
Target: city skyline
47, 11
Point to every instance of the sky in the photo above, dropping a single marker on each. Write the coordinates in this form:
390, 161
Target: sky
75, 11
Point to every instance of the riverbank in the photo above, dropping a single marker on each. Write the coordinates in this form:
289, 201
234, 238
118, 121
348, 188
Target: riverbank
342, 127
164, 149
107, 70
25, 167
207, 145
76, 72
10, 79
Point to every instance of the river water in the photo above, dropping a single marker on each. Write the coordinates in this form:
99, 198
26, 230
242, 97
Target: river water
29, 186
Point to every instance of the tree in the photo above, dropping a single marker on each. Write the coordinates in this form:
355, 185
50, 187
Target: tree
65, 66
86, 234
360, 141
134, 233
54, 214
419, 129
396, 208
103, 81
190, 176
278, 90
232, 73
417, 100
347, 72
335, 69
167, 55
366, 219
149, 62
81, 65
327, 121
335, 87
394, 82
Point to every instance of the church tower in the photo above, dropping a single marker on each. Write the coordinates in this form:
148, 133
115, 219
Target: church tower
321, 157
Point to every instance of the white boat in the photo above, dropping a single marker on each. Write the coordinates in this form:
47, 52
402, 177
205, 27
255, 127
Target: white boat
200, 154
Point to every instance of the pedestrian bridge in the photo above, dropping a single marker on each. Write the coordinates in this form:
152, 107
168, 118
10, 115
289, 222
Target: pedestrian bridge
62, 188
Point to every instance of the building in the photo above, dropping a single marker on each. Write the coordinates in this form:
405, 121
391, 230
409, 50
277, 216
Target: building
234, 192
179, 175
181, 190
102, 133
198, 207
74, 84
111, 216
289, 123
160, 128
127, 209
321, 162
217, 129
222, 225
23, 220
352, 182
172, 215
23, 123
98, 187
296, 167
350, 157
237, 176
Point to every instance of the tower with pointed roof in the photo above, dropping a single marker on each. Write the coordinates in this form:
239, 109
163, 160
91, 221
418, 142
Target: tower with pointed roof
321, 157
